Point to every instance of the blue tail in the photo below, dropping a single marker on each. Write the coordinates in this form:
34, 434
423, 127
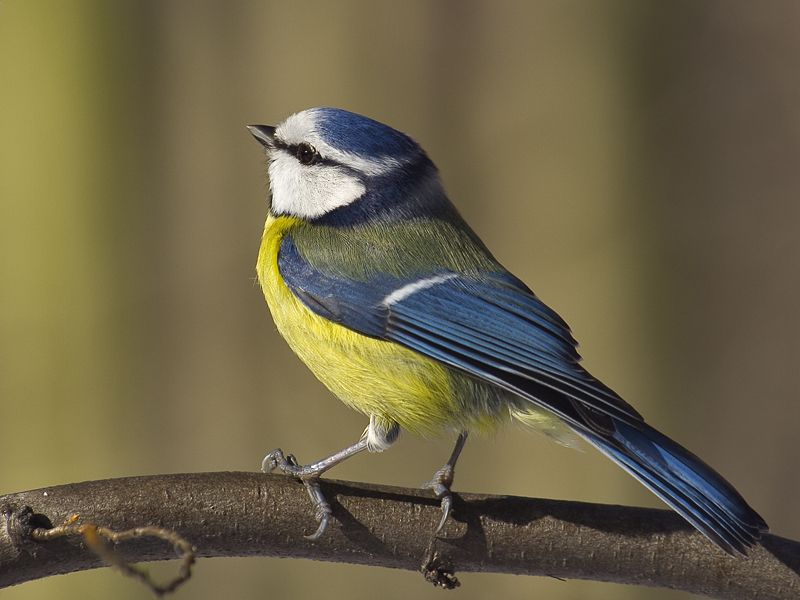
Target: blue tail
692, 488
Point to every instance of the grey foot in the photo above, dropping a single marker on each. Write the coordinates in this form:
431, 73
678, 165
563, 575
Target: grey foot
309, 476
440, 484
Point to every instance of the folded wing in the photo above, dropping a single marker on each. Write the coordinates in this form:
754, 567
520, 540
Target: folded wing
492, 327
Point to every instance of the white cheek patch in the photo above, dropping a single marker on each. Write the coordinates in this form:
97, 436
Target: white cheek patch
309, 191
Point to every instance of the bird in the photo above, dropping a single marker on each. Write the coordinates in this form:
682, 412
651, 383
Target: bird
395, 304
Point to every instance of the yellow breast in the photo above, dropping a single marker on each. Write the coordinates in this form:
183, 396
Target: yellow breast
373, 376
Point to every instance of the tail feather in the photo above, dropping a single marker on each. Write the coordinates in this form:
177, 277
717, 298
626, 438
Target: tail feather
688, 485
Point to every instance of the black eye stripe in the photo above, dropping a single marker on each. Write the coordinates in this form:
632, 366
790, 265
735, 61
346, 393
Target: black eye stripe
318, 160
304, 152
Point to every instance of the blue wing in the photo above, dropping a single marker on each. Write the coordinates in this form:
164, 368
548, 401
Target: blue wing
492, 327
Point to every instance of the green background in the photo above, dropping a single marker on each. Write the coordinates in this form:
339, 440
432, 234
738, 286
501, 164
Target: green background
635, 162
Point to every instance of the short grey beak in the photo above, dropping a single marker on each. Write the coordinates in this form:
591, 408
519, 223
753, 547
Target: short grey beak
264, 134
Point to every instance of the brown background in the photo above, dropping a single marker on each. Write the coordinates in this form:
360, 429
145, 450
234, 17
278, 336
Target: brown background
635, 162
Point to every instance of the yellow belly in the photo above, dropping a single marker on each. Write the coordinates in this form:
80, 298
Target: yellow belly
372, 376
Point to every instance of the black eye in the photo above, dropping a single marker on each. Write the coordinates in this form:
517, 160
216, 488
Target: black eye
306, 153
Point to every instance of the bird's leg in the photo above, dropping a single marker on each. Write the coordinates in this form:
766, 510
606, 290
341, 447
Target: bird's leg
378, 436
443, 479
309, 475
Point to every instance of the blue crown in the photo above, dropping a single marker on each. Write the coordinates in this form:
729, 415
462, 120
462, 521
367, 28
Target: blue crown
363, 136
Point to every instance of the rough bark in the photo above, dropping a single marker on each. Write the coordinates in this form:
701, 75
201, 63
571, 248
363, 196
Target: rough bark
251, 514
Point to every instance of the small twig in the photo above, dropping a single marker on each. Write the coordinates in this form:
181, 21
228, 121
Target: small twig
95, 538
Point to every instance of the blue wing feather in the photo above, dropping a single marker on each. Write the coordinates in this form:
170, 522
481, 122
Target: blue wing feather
492, 327
469, 309
684, 482
465, 321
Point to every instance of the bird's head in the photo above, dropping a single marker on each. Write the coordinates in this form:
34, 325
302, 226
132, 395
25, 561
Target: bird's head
323, 159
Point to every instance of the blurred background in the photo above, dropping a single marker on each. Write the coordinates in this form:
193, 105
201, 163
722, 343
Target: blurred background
635, 162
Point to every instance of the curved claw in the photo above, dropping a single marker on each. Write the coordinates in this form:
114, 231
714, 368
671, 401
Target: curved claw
447, 505
324, 518
309, 475
322, 512
288, 464
440, 484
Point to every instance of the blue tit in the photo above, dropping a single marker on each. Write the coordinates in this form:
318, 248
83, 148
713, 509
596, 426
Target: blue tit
394, 303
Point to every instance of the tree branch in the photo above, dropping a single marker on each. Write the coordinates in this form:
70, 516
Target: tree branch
251, 514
